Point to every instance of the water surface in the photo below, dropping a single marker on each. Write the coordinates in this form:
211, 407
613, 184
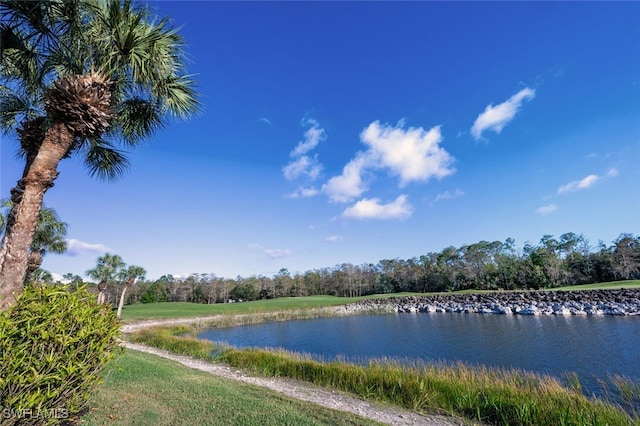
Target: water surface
593, 347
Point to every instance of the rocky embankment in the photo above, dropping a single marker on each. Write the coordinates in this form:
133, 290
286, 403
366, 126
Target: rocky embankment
583, 302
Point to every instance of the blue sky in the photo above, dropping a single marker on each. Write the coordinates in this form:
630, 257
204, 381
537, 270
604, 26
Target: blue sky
338, 132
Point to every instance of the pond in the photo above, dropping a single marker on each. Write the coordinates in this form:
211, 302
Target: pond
593, 347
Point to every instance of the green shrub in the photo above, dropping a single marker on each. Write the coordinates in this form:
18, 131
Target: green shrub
156, 293
53, 345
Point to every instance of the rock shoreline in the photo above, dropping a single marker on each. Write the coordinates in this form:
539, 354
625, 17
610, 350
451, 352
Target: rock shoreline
582, 302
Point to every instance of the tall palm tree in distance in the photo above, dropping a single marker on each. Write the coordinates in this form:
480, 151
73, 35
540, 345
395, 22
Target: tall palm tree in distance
129, 275
107, 269
77, 78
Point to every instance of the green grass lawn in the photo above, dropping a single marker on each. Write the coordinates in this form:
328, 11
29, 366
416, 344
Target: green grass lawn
604, 286
143, 389
185, 310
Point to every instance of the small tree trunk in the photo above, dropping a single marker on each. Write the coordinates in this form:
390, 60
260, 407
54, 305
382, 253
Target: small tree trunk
23, 217
127, 284
102, 286
33, 263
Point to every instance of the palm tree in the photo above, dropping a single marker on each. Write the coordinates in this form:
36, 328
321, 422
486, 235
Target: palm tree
48, 237
129, 277
76, 78
40, 276
105, 272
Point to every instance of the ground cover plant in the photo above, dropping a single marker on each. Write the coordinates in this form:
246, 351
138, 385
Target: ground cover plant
53, 345
143, 389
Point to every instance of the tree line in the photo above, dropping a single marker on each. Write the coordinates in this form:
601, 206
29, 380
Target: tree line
553, 262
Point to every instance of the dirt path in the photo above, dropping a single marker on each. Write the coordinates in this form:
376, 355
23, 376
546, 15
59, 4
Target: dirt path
292, 388
139, 325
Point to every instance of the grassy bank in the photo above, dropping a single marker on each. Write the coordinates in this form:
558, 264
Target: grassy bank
142, 389
603, 286
487, 395
187, 310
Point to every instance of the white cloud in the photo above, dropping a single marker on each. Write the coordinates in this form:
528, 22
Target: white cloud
613, 172
272, 253
303, 192
265, 120
278, 253
496, 117
349, 184
544, 210
413, 154
333, 239
579, 184
312, 137
447, 195
77, 247
371, 208
304, 165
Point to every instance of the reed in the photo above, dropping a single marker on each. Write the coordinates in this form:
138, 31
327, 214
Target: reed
176, 339
225, 321
489, 395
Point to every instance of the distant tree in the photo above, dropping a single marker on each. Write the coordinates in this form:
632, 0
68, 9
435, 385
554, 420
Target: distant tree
282, 282
40, 276
49, 236
105, 272
245, 292
626, 257
448, 267
155, 293
129, 275
73, 280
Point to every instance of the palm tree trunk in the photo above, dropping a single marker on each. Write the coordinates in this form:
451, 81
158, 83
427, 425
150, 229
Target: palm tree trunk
22, 220
102, 286
127, 284
33, 263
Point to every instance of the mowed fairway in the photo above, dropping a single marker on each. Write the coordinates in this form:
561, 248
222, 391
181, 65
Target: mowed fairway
143, 389
170, 310
184, 310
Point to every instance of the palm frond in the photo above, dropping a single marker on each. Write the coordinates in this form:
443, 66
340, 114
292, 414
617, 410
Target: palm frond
178, 96
137, 119
13, 109
50, 232
104, 161
20, 59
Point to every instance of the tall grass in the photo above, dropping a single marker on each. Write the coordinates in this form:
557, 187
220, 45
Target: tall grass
174, 339
490, 395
